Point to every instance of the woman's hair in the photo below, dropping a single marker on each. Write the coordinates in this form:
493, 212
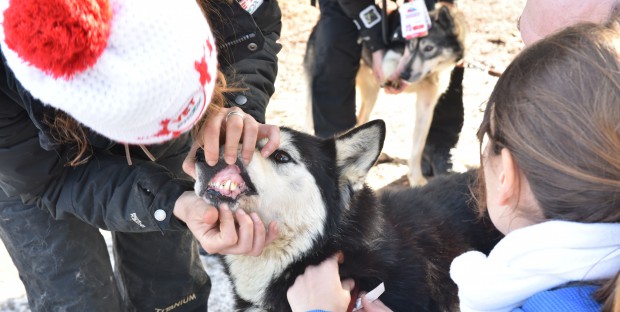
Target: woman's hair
556, 108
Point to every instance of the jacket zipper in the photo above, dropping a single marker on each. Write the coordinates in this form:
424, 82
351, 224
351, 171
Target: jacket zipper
237, 41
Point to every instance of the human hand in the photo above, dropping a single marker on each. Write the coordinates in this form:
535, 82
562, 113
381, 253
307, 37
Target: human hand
320, 287
216, 230
232, 128
375, 306
377, 65
395, 85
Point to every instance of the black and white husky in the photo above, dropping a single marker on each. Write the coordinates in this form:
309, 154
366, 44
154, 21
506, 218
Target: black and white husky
314, 188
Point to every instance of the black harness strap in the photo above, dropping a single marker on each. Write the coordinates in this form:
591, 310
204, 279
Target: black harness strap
414, 53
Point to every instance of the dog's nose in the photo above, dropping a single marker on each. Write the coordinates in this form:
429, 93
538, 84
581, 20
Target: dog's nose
405, 75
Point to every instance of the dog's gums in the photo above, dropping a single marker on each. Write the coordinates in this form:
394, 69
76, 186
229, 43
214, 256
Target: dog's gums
228, 183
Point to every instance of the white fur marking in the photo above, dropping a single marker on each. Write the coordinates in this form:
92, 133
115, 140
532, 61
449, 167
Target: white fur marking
288, 194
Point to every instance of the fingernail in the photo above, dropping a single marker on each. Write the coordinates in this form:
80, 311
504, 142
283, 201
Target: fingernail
211, 162
265, 152
241, 212
229, 160
224, 207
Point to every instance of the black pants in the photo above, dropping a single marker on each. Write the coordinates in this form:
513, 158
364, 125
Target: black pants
336, 62
65, 264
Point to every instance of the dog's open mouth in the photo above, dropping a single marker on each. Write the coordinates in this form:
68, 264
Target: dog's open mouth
221, 183
227, 183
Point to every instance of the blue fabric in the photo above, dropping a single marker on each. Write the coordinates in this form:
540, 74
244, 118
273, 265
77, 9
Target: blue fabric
573, 298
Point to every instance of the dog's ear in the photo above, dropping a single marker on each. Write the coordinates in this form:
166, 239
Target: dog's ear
357, 151
445, 20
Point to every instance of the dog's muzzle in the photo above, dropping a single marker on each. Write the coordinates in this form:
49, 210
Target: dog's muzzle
221, 183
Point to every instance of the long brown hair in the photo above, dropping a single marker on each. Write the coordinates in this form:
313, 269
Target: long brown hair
556, 108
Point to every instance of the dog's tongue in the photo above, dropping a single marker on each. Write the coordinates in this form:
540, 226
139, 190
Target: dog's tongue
228, 182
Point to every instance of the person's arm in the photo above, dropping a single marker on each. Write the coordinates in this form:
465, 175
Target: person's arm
247, 51
104, 192
248, 48
367, 17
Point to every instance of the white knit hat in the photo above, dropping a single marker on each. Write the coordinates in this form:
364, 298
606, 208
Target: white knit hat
135, 71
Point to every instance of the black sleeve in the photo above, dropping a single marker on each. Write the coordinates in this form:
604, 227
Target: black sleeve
112, 195
367, 17
105, 192
248, 51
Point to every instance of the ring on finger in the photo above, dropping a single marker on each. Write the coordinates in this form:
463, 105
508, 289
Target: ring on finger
234, 113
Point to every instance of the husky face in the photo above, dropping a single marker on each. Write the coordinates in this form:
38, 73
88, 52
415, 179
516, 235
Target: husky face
417, 58
300, 185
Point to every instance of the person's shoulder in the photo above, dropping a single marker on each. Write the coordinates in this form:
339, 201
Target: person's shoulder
576, 298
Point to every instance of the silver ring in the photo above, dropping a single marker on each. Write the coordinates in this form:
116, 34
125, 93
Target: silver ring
236, 113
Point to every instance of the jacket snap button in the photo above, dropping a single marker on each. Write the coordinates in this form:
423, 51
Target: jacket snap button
160, 215
252, 46
241, 100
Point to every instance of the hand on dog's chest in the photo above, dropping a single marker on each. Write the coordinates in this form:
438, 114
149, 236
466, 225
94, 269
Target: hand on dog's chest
371, 296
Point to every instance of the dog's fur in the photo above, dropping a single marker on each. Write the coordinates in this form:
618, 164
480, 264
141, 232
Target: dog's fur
314, 189
425, 63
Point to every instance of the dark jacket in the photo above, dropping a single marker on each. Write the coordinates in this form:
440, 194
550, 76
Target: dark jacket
106, 192
247, 50
372, 36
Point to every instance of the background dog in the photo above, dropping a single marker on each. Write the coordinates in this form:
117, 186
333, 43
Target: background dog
425, 63
314, 189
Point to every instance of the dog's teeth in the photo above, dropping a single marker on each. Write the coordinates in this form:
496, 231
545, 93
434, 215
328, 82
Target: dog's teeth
233, 186
227, 185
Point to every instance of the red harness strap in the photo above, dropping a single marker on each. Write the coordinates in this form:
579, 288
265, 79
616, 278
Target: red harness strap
354, 294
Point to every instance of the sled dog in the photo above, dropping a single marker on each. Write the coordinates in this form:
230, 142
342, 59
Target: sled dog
314, 189
425, 63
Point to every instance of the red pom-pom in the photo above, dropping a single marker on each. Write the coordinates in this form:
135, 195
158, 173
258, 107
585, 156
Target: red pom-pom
60, 37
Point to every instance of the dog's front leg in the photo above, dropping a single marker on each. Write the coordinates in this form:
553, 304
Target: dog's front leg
427, 96
369, 92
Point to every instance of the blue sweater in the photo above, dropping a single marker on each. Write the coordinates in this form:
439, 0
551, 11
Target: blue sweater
576, 298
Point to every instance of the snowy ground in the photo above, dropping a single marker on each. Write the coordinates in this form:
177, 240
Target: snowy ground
492, 40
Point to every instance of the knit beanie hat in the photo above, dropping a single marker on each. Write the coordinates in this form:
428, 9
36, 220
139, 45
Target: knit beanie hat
135, 71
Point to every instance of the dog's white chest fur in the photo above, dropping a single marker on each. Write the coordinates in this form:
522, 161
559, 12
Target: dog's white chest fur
253, 275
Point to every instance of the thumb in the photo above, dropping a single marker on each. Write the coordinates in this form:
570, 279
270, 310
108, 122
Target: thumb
210, 215
375, 306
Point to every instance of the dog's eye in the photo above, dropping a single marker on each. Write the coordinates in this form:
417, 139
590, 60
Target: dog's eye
281, 157
429, 48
